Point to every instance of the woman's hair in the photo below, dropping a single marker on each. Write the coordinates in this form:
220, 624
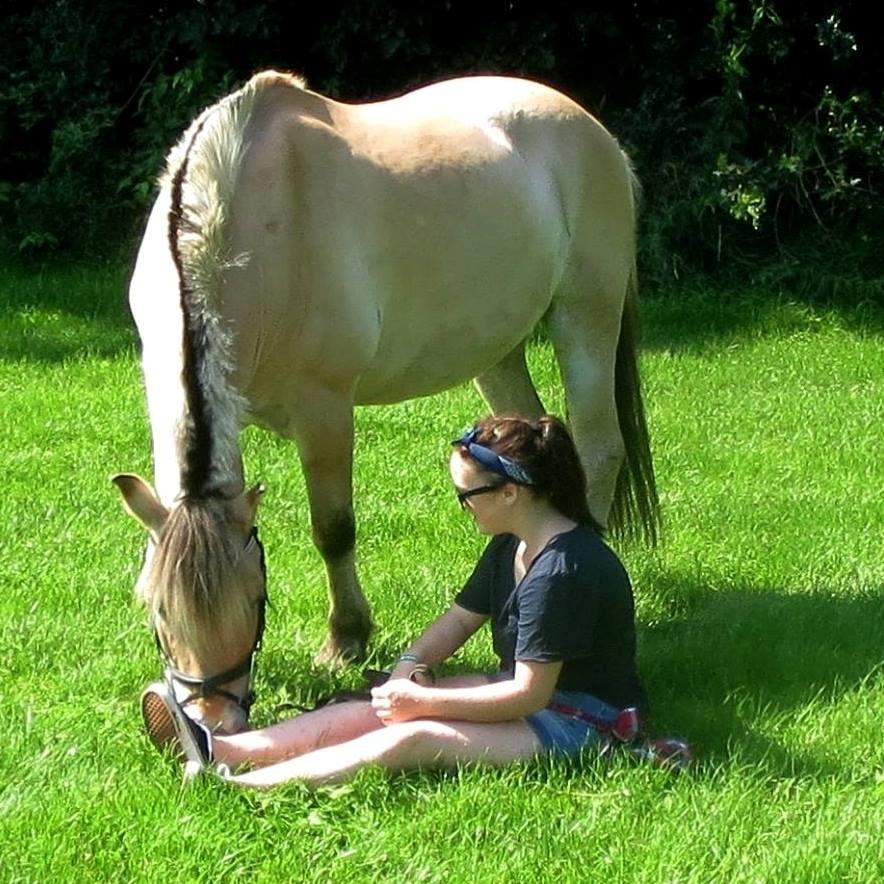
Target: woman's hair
545, 450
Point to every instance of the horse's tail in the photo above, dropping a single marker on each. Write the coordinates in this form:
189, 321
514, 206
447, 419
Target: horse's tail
635, 510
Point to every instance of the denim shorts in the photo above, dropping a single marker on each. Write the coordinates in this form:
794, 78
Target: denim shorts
563, 734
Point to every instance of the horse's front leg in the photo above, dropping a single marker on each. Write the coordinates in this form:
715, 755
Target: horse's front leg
324, 434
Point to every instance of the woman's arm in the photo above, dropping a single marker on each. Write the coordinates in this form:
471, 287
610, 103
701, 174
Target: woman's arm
527, 692
439, 640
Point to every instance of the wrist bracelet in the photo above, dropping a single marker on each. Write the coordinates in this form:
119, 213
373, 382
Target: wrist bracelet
409, 658
425, 671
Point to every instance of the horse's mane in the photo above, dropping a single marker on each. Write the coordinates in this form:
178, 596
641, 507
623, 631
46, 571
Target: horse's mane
232, 112
193, 577
201, 174
192, 585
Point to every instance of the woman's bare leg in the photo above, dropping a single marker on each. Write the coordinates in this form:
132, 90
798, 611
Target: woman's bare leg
337, 723
408, 745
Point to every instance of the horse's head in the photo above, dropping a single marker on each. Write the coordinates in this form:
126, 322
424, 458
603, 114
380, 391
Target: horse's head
204, 586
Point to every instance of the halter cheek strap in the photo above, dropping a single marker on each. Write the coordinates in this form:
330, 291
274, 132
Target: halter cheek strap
211, 685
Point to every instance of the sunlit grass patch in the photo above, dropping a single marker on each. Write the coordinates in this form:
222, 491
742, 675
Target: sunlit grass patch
761, 616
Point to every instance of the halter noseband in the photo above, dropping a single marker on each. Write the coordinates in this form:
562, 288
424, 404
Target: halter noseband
211, 685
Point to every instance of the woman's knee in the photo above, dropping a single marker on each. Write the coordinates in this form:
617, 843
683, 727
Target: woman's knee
420, 742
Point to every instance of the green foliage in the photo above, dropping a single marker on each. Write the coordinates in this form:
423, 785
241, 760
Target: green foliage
775, 129
750, 122
97, 93
827, 157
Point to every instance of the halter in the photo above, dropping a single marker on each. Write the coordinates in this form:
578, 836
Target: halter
211, 685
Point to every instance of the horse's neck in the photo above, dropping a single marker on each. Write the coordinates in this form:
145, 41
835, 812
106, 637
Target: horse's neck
227, 477
226, 470
202, 453
167, 405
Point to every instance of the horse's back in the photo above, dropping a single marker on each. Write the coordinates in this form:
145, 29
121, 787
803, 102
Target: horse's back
403, 246
395, 236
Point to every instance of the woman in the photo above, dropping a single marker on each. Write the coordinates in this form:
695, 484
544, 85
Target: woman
562, 622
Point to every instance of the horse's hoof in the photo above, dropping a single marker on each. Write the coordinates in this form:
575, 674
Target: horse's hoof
339, 652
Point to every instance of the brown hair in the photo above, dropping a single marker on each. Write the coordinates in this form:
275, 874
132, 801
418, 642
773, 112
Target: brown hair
546, 451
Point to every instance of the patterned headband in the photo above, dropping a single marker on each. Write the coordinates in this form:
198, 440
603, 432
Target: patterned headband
491, 460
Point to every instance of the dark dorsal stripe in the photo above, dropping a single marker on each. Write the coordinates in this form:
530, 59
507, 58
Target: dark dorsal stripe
196, 463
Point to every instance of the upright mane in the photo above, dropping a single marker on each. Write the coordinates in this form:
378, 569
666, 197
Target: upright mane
201, 173
192, 586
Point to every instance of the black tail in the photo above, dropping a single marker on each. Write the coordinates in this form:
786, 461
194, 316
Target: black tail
635, 511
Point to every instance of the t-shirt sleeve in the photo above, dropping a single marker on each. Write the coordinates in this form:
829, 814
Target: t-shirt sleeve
477, 592
557, 617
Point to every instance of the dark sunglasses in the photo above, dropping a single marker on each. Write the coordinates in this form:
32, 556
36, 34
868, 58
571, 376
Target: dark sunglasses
464, 496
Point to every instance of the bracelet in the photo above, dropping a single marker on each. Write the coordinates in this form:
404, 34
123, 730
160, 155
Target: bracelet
425, 671
409, 658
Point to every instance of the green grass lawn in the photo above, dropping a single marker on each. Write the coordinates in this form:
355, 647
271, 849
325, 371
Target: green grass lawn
761, 620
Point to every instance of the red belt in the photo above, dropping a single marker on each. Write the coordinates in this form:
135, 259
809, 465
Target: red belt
625, 726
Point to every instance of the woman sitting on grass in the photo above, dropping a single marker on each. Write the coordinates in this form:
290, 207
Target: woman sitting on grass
562, 622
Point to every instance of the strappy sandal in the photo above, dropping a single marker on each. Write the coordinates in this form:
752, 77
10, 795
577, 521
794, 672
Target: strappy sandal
171, 729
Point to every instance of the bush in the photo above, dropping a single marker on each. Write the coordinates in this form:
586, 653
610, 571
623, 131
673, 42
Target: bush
749, 127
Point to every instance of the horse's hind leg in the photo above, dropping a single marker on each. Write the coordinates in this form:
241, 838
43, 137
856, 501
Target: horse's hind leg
323, 428
507, 387
584, 326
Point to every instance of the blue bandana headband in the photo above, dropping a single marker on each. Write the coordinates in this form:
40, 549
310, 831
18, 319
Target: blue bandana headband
491, 460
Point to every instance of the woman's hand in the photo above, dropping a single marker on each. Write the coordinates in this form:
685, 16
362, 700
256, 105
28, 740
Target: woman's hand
399, 700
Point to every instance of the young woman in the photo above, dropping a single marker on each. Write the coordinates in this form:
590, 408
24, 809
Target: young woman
560, 607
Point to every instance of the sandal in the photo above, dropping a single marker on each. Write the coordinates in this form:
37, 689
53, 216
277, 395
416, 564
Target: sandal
170, 728
668, 752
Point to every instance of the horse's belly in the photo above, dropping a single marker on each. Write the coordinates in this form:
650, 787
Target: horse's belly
424, 375
447, 347
459, 280
455, 320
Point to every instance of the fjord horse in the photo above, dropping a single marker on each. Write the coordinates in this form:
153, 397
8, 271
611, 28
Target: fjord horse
304, 256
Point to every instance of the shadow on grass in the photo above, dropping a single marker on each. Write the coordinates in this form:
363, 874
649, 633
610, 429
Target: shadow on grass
712, 316
290, 681
736, 656
53, 315
716, 663
722, 670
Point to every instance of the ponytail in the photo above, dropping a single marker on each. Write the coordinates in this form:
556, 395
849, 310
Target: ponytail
560, 476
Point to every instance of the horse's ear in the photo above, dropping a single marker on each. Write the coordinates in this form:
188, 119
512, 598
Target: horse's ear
141, 501
245, 507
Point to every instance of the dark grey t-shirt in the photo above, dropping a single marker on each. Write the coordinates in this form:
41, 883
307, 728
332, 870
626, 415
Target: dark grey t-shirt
575, 604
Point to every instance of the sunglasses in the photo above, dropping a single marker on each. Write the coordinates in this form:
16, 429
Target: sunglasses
464, 496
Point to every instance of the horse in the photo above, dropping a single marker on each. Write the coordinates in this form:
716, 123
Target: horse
304, 256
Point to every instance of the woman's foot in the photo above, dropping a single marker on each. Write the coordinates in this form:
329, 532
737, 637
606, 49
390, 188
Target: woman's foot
169, 728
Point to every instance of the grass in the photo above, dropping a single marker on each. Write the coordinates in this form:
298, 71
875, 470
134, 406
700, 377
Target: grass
761, 620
